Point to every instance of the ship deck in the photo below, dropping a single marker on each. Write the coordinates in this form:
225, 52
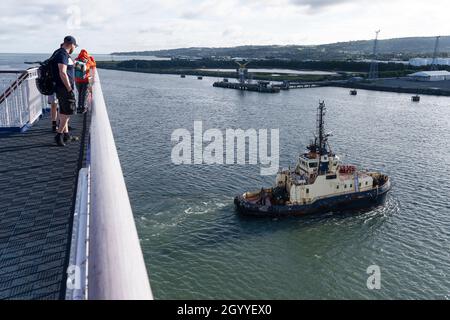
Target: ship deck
38, 182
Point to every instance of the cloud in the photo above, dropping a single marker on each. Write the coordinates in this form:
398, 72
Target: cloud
114, 25
191, 14
208, 9
233, 32
34, 10
315, 4
157, 30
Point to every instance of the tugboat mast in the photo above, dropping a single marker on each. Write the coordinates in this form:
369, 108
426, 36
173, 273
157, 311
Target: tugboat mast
319, 147
320, 126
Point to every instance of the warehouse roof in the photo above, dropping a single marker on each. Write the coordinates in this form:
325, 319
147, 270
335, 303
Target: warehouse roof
430, 73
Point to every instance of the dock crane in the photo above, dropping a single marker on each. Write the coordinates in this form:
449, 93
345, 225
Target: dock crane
242, 71
373, 72
435, 53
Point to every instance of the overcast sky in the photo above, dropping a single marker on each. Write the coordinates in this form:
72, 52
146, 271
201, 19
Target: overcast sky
104, 26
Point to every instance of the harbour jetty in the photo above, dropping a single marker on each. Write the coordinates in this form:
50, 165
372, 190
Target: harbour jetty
400, 85
287, 85
260, 86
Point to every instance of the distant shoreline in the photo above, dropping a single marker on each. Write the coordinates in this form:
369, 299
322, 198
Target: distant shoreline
330, 69
393, 84
388, 49
218, 74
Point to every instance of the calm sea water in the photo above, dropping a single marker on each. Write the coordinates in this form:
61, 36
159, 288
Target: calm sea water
194, 244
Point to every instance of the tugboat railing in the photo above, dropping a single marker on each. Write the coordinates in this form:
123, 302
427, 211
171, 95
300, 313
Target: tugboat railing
20, 101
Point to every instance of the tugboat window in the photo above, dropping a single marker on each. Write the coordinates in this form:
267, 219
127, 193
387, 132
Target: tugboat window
313, 164
366, 183
351, 185
307, 190
345, 186
337, 187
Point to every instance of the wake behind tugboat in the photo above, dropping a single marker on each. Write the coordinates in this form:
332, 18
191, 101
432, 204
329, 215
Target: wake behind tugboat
319, 183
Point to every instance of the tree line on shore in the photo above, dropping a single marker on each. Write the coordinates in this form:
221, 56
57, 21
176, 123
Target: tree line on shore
385, 69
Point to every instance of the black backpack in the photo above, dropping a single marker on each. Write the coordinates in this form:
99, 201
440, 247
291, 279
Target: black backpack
44, 81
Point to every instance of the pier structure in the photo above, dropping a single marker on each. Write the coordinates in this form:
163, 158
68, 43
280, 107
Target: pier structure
66, 225
245, 81
268, 87
287, 85
260, 86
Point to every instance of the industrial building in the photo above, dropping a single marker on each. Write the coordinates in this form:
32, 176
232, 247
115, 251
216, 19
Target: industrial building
419, 62
439, 75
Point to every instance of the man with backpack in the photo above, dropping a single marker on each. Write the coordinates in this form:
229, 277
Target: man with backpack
62, 68
46, 86
84, 63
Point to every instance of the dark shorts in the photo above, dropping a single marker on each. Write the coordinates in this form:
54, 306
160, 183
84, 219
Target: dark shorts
66, 107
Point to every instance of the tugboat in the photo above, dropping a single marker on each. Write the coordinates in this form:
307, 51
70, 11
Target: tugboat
353, 92
318, 183
415, 98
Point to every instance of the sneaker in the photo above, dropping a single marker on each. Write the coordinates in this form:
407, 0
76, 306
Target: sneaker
59, 140
69, 138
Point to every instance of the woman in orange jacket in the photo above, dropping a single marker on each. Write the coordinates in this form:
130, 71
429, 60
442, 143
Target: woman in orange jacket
84, 63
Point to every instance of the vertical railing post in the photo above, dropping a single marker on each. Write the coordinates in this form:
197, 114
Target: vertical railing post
20, 106
17, 107
8, 121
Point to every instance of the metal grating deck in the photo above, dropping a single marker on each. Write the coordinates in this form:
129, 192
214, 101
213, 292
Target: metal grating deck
37, 190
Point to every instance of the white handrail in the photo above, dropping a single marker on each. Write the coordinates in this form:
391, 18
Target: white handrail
76, 285
116, 266
21, 103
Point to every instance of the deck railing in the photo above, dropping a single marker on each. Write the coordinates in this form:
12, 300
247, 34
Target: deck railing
106, 257
20, 101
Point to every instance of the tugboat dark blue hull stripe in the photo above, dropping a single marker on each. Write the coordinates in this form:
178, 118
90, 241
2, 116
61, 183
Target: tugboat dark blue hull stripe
356, 200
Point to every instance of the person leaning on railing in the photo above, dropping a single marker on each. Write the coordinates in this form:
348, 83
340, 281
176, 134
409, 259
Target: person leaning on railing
63, 73
84, 63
